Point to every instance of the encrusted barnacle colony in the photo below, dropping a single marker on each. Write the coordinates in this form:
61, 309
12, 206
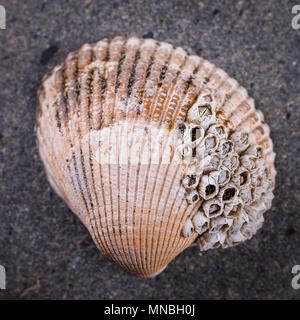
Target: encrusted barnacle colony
154, 150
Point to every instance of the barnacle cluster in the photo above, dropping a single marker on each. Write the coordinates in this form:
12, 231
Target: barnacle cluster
226, 177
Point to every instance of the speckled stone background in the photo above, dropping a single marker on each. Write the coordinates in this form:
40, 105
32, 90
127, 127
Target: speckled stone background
46, 251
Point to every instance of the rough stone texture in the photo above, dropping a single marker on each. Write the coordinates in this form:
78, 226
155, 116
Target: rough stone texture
46, 250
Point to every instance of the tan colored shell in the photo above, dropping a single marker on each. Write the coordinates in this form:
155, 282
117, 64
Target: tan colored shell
101, 103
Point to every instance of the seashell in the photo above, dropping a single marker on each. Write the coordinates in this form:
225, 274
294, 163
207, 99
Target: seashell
116, 133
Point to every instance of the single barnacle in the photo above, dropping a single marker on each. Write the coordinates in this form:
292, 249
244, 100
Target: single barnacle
193, 197
220, 224
224, 177
248, 162
242, 178
219, 130
211, 240
181, 128
212, 164
233, 209
208, 187
200, 222
207, 97
241, 140
225, 148
239, 221
185, 151
196, 134
247, 195
228, 193
211, 143
188, 228
191, 181
256, 151
231, 162
212, 208
202, 114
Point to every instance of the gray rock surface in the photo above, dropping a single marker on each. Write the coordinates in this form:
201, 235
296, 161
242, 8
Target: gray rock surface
46, 251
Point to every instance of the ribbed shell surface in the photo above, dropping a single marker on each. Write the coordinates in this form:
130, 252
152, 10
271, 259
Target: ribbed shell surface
134, 211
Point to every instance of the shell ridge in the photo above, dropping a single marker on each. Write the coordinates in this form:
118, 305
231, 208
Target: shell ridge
113, 53
145, 202
133, 173
141, 242
123, 171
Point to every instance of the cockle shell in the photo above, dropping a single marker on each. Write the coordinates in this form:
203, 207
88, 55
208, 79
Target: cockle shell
116, 128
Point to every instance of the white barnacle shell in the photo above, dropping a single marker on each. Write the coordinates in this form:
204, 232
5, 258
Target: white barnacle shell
211, 240
219, 130
242, 178
257, 179
267, 200
212, 208
208, 187
207, 97
224, 176
200, 222
231, 162
248, 162
220, 223
201, 113
213, 163
182, 130
191, 181
196, 134
235, 238
193, 197
239, 221
225, 148
211, 143
256, 151
241, 140
115, 131
247, 195
188, 228
185, 151
233, 209
228, 193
